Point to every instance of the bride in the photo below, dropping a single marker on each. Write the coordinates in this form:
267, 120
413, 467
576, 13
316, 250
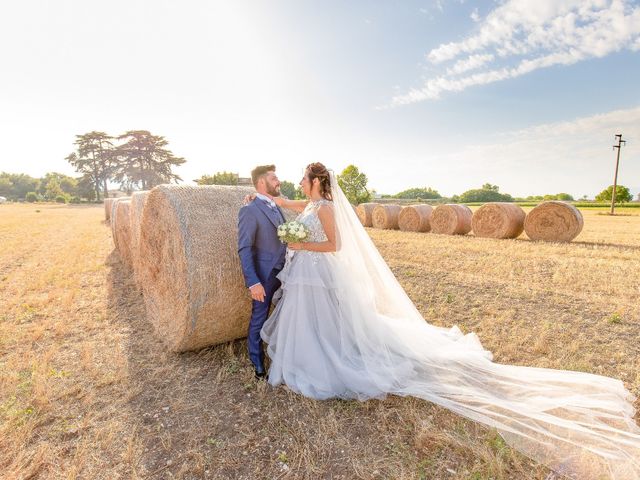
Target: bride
345, 328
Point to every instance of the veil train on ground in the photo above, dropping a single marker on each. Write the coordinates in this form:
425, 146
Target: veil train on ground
578, 424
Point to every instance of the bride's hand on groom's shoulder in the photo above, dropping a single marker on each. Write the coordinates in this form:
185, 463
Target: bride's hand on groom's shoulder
249, 198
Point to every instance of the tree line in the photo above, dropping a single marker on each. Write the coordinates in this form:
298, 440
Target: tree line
142, 161
354, 184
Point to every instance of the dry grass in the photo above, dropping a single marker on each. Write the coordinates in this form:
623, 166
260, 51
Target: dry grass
87, 391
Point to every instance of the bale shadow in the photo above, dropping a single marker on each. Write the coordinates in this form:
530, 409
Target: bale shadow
621, 246
581, 243
176, 402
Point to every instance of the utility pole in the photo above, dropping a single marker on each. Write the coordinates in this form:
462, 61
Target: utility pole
615, 177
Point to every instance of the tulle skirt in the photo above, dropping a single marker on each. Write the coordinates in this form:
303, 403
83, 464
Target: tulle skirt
315, 347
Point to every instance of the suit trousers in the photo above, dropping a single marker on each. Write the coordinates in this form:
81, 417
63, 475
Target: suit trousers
259, 314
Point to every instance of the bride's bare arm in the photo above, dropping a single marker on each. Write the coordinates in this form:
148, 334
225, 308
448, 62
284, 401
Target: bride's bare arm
296, 205
328, 221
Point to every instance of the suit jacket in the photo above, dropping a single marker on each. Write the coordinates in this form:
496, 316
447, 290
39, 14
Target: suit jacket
259, 247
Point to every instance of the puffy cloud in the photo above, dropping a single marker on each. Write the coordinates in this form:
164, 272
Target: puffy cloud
521, 36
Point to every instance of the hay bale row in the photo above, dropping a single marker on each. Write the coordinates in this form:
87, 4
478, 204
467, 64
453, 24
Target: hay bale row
189, 267
554, 221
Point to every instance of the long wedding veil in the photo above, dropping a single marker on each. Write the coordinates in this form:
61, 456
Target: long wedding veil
579, 424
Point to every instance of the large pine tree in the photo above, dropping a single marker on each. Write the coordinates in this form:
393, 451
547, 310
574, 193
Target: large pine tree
94, 159
144, 161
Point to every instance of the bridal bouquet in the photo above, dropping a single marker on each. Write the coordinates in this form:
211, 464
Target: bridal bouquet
292, 232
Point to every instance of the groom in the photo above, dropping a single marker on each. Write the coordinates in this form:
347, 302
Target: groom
261, 255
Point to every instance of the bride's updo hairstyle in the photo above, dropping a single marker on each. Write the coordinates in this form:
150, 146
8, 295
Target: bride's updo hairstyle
319, 171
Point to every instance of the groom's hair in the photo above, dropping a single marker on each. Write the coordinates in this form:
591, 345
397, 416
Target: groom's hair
260, 171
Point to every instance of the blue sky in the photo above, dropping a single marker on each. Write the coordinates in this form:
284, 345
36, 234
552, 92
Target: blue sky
526, 94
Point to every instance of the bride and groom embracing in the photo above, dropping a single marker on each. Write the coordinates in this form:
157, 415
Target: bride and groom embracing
345, 328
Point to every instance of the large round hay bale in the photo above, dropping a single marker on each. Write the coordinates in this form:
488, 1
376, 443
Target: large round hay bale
189, 266
365, 213
138, 199
112, 213
498, 220
415, 218
554, 221
121, 230
451, 219
113, 208
108, 202
386, 216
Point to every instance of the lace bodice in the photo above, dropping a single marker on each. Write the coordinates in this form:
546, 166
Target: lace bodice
309, 217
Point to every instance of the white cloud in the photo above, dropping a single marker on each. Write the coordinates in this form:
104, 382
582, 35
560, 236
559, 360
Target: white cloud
470, 63
474, 15
521, 36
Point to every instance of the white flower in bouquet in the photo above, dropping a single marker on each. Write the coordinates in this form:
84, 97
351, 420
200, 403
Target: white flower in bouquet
292, 232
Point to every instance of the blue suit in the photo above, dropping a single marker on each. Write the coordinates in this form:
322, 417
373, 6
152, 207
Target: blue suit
262, 257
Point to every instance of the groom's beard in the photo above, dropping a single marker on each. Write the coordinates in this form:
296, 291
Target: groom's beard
273, 191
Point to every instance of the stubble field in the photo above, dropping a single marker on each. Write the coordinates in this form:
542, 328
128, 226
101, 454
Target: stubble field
88, 391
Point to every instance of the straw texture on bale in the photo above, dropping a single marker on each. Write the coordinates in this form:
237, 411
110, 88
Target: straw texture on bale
189, 266
386, 216
365, 213
498, 220
554, 221
107, 208
138, 200
121, 230
451, 219
113, 208
415, 218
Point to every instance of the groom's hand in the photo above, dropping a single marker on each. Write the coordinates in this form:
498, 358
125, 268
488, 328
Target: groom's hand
257, 292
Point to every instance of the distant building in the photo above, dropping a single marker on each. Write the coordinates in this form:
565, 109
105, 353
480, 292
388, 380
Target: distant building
244, 181
2, 199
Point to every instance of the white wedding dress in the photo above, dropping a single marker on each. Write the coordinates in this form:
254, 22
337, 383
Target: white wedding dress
345, 328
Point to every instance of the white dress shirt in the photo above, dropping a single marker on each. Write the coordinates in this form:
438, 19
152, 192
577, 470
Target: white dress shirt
268, 200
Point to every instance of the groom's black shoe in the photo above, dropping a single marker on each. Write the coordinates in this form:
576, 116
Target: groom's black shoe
261, 374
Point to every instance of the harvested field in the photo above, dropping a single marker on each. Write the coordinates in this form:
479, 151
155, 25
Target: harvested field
88, 391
